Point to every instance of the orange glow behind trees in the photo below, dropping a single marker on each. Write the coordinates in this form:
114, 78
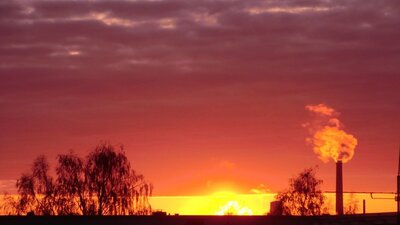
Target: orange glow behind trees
259, 204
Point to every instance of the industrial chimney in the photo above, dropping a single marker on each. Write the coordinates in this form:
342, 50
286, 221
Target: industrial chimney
398, 190
339, 188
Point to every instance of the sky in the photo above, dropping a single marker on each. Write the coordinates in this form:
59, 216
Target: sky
205, 96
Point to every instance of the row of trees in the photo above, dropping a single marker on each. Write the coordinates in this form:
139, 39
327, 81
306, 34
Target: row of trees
103, 183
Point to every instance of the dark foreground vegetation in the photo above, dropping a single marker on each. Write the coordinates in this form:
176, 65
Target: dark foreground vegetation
102, 183
381, 219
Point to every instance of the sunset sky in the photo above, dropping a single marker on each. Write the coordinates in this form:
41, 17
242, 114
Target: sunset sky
205, 96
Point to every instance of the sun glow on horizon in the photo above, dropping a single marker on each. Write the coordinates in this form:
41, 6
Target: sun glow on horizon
230, 203
234, 208
217, 203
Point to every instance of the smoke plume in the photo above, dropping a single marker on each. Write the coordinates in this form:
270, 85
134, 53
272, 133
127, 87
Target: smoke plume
328, 138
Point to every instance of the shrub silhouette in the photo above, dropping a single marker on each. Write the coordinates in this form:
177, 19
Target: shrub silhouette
304, 196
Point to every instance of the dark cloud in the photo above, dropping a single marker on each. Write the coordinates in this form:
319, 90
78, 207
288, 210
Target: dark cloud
182, 33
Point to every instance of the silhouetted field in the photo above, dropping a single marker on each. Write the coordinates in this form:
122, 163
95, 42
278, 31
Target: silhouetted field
373, 219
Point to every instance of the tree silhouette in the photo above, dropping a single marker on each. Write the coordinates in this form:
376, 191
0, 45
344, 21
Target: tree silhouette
72, 193
304, 196
351, 205
37, 190
8, 205
113, 186
102, 184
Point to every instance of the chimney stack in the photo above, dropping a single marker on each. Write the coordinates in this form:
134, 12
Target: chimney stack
398, 189
339, 188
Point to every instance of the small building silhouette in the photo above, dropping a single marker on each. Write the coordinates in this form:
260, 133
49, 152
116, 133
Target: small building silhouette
275, 208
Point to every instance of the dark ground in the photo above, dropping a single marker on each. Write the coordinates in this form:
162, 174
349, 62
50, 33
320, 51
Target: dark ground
373, 219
